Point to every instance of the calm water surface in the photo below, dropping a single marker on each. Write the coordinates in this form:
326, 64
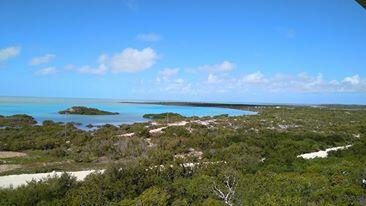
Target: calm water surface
47, 109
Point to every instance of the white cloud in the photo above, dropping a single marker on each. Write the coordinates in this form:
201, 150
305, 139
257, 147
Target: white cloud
354, 80
90, 70
9, 52
179, 81
176, 86
301, 83
42, 59
225, 66
102, 58
148, 37
167, 81
257, 82
69, 67
165, 74
212, 79
254, 78
305, 83
46, 71
131, 60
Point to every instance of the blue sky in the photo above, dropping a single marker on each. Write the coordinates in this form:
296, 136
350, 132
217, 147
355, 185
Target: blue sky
280, 51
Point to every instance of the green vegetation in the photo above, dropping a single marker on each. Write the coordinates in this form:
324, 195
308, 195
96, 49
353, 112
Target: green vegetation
163, 116
246, 160
86, 111
16, 120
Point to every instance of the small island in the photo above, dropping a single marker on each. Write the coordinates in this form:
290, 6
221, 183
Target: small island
86, 111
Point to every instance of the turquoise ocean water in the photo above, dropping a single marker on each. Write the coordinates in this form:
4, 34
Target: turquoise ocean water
47, 109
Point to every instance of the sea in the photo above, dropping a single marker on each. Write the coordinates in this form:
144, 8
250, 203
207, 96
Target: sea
42, 109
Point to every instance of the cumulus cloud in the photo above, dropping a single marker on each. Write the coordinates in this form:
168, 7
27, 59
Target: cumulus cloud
69, 67
300, 83
101, 69
278, 83
9, 52
129, 60
42, 59
254, 78
225, 66
165, 74
177, 86
148, 37
167, 81
46, 71
354, 80
255, 82
212, 79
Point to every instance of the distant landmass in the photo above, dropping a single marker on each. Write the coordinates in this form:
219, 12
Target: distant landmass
240, 106
86, 111
193, 104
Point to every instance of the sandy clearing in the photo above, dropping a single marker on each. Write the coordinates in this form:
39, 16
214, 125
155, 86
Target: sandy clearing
18, 180
157, 130
8, 167
9, 154
204, 122
182, 123
322, 153
127, 135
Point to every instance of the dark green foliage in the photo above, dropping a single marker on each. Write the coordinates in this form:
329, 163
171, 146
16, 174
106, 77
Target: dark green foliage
86, 111
18, 120
47, 192
163, 116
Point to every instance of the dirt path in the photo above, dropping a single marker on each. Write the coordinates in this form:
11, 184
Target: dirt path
8, 154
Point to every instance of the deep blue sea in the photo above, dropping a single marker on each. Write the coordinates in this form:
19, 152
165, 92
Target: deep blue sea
47, 109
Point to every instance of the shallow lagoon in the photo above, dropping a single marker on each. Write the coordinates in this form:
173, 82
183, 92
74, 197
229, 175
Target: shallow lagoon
47, 109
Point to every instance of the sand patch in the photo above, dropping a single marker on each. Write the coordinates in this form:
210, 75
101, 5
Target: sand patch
9, 154
18, 180
322, 153
4, 168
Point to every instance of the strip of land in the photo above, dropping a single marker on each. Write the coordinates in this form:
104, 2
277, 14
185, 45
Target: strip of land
203, 104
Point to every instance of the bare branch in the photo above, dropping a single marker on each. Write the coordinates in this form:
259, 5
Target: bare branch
228, 192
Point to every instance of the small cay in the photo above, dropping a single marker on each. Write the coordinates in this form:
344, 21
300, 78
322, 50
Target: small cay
86, 111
